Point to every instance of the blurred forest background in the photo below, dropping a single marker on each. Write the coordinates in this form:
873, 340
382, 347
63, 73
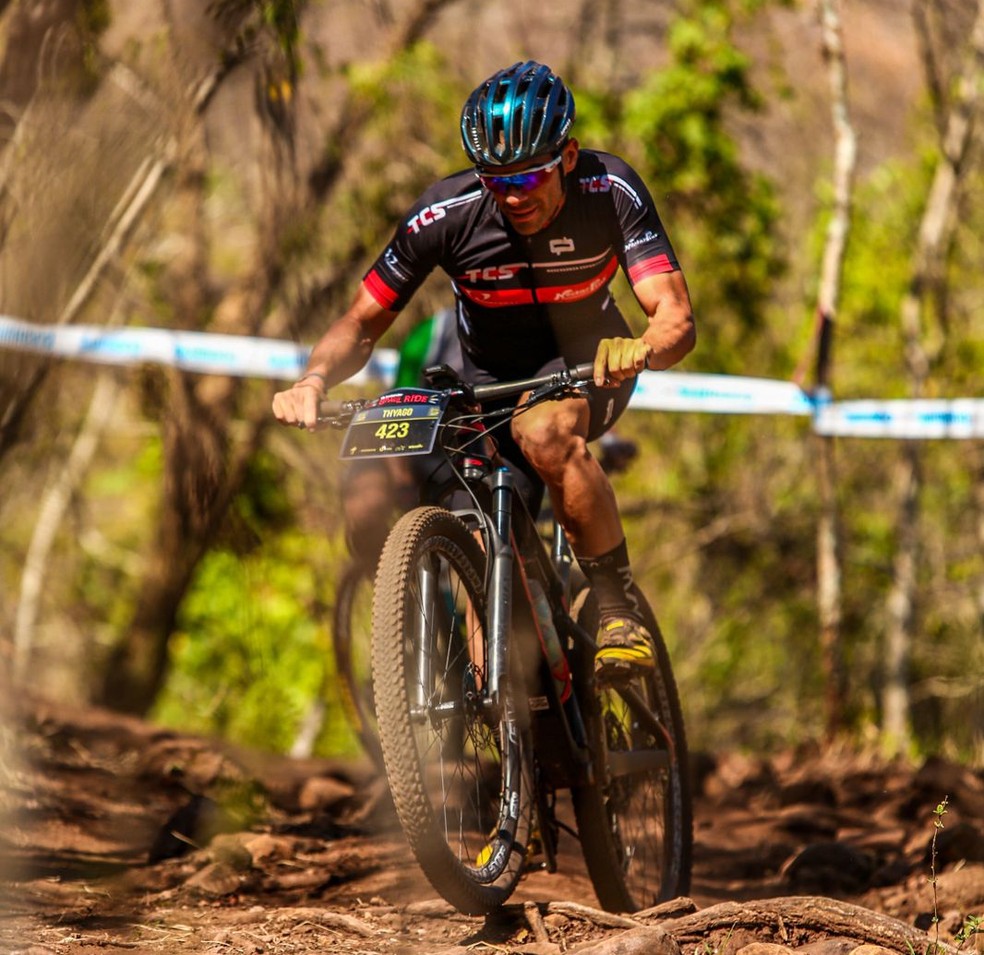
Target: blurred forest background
233, 166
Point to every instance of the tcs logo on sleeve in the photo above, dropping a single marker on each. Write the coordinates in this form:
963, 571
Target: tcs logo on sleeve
426, 217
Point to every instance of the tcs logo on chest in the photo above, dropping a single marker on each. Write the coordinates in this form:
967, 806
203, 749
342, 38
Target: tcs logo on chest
493, 273
596, 184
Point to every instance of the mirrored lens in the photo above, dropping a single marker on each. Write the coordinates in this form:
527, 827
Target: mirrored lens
524, 181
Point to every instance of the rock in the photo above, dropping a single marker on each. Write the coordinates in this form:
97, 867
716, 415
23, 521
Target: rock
829, 868
216, 880
764, 948
323, 792
736, 776
230, 850
960, 842
646, 940
813, 791
962, 889
828, 946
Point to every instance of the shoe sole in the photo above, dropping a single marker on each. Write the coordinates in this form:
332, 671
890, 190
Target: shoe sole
608, 669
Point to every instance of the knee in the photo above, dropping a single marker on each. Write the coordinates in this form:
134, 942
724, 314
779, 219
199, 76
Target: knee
547, 444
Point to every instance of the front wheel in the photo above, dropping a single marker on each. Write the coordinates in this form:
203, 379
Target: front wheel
635, 819
455, 759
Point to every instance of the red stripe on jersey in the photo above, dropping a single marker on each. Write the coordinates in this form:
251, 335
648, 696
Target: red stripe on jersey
379, 290
497, 298
575, 293
654, 266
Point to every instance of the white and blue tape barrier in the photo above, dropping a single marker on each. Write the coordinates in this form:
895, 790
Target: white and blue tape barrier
204, 352
719, 394
244, 356
926, 418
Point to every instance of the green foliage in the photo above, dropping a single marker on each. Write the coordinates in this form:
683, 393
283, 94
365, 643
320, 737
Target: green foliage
720, 514
412, 134
94, 17
251, 653
721, 216
281, 17
973, 925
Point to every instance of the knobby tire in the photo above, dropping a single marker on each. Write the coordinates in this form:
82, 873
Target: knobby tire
456, 766
635, 820
351, 635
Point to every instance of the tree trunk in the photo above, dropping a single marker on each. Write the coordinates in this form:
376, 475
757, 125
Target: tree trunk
204, 467
936, 232
57, 499
828, 531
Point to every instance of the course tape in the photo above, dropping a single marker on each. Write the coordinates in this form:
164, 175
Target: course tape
203, 352
239, 355
928, 418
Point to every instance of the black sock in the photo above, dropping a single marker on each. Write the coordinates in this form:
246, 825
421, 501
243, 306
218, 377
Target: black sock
610, 576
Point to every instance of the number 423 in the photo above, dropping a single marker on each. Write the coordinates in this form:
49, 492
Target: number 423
393, 429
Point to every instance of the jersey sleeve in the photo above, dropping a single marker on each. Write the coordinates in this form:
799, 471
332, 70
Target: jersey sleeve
415, 249
646, 248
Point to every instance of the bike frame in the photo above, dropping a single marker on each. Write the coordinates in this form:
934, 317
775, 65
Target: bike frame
518, 675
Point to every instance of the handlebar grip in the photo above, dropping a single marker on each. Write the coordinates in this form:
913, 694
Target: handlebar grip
584, 371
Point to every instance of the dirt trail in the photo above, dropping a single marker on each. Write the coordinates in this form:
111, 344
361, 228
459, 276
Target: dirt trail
294, 857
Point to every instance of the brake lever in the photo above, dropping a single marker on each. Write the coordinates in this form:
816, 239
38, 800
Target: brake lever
338, 414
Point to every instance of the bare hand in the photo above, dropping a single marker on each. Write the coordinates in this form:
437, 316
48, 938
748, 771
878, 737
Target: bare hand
619, 359
298, 406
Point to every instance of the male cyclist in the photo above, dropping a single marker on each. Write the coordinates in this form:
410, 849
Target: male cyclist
531, 237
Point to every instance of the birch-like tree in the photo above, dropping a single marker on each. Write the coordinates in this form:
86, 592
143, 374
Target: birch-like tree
933, 246
828, 299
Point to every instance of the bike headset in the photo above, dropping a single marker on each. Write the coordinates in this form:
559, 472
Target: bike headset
516, 114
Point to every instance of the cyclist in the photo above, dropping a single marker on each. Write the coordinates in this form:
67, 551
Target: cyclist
372, 491
531, 236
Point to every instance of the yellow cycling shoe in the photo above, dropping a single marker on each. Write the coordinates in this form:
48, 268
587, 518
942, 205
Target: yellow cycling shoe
624, 647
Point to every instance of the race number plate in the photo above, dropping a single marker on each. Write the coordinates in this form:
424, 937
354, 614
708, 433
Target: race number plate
400, 422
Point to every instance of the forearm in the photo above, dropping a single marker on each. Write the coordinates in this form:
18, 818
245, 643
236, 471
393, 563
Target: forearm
671, 335
339, 353
346, 346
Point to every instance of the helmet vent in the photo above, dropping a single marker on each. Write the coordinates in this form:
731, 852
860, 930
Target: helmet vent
517, 114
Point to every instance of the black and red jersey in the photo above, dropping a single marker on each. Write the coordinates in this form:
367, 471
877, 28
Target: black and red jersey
525, 300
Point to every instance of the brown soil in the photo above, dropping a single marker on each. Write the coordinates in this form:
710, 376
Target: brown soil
816, 850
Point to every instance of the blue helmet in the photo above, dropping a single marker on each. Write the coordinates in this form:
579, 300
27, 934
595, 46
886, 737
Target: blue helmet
516, 114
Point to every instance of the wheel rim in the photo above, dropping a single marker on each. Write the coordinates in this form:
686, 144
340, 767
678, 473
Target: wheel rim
472, 789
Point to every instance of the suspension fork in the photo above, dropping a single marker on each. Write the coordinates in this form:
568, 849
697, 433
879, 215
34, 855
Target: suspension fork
500, 585
429, 588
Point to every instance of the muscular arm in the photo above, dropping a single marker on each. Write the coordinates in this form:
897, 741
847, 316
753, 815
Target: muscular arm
670, 334
338, 355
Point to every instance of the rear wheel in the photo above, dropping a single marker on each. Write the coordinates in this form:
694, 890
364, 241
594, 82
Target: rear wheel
456, 763
635, 820
351, 638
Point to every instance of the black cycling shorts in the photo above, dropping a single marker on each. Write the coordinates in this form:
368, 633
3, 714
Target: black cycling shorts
606, 405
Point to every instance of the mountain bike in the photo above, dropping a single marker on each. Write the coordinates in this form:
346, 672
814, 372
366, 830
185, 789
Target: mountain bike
482, 663
351, 617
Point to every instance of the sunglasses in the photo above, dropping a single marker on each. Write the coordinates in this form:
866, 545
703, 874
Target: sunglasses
525, 181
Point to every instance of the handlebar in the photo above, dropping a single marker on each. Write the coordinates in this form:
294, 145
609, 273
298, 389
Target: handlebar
568, 376
335, 413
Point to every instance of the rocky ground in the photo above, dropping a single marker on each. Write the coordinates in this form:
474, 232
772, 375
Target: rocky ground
122, 837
